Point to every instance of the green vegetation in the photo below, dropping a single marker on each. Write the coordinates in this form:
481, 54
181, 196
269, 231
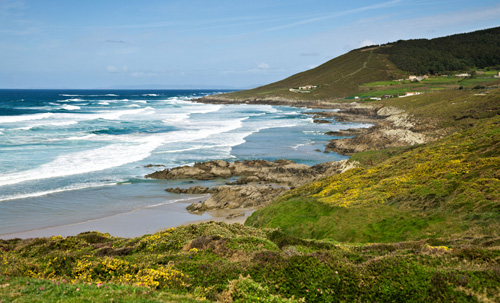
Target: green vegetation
337, 78
447, 188
373, 71
430, 84
462, 52
244, 264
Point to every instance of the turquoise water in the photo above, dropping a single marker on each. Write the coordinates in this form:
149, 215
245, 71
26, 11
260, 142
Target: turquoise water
74, 155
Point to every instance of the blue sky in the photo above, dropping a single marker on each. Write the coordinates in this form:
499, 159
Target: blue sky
233, 43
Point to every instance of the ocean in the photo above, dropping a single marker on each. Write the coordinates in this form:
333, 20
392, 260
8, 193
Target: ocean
69, 156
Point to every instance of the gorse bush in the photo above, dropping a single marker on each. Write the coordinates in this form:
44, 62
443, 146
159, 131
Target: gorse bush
445, 188
244, 264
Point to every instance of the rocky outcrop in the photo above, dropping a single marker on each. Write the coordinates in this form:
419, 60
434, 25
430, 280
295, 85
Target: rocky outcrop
252, 171
394, 128
347, 132
260, 181
232, 197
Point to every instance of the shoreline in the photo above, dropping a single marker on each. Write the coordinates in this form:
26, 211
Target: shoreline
152, 220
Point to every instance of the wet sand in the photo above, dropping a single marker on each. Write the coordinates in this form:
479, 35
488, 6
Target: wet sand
146, 220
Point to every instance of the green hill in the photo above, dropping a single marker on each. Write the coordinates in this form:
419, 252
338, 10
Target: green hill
372, 71
461, 52
448, 188
337, 78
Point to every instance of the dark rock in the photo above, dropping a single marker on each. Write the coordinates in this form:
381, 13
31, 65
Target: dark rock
110, 252
235, 215
154, 165
202, 242
322, 121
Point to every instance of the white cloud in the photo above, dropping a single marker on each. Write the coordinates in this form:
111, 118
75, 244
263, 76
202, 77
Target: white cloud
263, 66
366, 42
114, 69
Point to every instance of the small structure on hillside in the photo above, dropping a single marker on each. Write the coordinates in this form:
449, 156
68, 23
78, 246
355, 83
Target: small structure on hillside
497, 76
418, 78
462, 75
386, 96
303, 89
408, 94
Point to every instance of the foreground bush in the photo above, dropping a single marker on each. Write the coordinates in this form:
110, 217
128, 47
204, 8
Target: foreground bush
234, 263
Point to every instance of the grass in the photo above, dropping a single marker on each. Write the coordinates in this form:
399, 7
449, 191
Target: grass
337, 78
244, 264
436, 83
446, 188
381, 83
21, 289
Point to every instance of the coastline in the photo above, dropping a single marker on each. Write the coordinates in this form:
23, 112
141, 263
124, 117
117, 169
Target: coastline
152, 219
138, 222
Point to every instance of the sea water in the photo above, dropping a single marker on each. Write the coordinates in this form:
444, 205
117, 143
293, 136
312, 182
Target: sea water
69, 156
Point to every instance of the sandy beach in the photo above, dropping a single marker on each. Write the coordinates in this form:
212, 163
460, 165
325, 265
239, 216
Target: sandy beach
138, 222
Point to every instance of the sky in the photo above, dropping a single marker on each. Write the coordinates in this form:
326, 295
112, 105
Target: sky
201, 43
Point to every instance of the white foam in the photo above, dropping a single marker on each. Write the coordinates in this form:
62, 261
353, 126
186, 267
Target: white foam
54, 191
105, 114
133, 105
70, 107
61, 123
175, 118
110, 156
13, 119
71, 100
150, 95
196, 147
70, 95
296, 147
103, 103
24, 127
141, 101
86, 137
313, 132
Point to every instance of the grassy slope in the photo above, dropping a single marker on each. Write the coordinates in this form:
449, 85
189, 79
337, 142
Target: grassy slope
448, 188
337, 78
244, 264
350, 74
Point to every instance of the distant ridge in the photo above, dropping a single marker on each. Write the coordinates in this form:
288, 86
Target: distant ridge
342, 76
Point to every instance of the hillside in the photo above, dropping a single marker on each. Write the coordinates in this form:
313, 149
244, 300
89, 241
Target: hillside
461, 52
233, 263
337, 78
447, 188
374, 70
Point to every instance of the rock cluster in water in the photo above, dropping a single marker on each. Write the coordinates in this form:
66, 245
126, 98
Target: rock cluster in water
259, 181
